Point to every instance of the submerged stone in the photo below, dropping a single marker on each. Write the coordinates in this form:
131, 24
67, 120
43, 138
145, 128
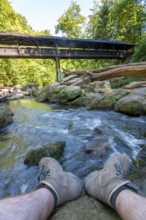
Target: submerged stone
54, 150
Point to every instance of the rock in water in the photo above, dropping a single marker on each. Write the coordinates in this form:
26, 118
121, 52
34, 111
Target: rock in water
97, 147
54, 150
6, 116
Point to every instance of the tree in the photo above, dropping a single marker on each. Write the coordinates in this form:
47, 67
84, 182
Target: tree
128, 20
119, 20
71, 23
100, 24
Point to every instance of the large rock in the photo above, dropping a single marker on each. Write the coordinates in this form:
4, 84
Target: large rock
6, 117
110, 99
85, 207
54, 150
131, 105
54, 95
43, 94
98, 87
69, 93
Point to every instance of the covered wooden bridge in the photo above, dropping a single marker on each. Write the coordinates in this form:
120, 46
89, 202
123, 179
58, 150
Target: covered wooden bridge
53, 47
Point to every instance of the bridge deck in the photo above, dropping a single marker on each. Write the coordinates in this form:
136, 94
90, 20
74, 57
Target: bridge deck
30, 46
52, 47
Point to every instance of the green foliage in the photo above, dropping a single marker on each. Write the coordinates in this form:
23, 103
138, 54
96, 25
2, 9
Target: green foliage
17, 71
71, 22
140, 51
119, 20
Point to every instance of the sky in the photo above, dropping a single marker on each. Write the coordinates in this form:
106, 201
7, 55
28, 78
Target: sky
43, 14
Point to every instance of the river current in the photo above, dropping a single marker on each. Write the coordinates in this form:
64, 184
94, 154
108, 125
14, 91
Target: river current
36, 124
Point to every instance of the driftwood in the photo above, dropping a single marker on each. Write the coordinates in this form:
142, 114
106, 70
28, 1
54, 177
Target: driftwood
131, 69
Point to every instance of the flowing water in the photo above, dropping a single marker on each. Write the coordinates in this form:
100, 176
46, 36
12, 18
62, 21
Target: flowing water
36, 124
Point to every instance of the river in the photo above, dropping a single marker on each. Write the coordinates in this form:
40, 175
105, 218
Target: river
36, 124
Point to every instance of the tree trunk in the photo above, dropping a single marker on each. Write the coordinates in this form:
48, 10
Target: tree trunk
130, 69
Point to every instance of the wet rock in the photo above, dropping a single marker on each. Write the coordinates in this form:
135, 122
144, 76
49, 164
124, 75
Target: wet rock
141, 157
97, 147
85, 207
138, 176
54, 150
6, 117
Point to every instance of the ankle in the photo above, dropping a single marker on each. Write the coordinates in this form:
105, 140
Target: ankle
48, 191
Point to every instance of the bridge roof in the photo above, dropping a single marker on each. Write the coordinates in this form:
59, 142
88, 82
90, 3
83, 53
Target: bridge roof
53, 41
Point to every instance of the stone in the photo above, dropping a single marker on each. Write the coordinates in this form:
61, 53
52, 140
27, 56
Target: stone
99, 87
69, 93
54, 95
131, 104
134, 85
68, 78
97, 147
110, 99
54, 150
6, 116
43, 94
80, 81
30, 89
85, 207
141, 157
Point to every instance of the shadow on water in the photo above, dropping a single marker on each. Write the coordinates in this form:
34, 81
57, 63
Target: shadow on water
36, 124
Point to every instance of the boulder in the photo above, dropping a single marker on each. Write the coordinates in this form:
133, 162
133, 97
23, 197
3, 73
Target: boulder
84, 207
132, 104
69, 93
6, 117
54, 95
98, 87
54, 150
110, 99
43, 94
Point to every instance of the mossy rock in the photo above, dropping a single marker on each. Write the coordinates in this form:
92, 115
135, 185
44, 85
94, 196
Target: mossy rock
131, 105
70, 93
54, 150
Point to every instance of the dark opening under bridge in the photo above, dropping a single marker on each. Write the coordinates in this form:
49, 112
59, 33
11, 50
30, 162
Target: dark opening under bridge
53, 47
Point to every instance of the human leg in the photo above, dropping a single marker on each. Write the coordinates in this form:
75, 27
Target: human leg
131, 206
55, 188
31, 206
110, 186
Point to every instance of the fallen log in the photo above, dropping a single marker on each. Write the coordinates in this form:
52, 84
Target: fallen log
100, 70
131, 70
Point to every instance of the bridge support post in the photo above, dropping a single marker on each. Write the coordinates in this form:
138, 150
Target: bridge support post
58, 71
